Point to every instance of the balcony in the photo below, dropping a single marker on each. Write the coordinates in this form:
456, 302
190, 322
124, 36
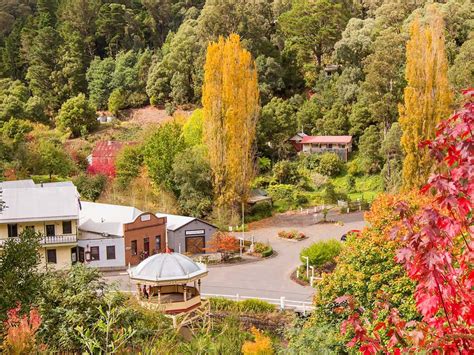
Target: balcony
59, 239
50, 240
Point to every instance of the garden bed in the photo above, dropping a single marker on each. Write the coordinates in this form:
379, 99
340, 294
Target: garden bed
292, 236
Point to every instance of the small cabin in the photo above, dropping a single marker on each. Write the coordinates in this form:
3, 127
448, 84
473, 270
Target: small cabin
341, 145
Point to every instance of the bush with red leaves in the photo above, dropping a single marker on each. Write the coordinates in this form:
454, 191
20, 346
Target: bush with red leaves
438, 254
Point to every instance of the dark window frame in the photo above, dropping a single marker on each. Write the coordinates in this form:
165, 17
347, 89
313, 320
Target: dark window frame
54, 230
94, 254
51, 259
158, 243
146, 245
134, 247
69, 229
110, 252
12, 230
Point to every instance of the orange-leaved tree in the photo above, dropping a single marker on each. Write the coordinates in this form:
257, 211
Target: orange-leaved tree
231, 108
20, 331
224, 243
428, 97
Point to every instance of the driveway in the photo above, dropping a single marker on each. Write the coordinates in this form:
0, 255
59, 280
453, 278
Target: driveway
270, 278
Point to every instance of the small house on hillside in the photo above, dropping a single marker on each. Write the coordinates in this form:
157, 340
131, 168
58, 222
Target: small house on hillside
187, 234
341, 145
102, 158
296, 140
105, 117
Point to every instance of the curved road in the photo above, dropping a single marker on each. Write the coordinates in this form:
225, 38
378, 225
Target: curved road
269, 278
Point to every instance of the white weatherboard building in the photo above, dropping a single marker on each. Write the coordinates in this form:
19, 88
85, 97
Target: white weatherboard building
51, 209
101, 228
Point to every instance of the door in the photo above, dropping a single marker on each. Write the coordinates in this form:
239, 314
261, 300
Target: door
195, 245
81, 254
74, 255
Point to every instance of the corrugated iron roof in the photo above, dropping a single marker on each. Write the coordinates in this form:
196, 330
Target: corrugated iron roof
27, 201
327, 139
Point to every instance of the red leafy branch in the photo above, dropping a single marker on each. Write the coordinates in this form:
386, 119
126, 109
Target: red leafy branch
437, 252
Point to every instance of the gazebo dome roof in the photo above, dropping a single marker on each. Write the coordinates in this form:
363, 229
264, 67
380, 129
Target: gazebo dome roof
167, 268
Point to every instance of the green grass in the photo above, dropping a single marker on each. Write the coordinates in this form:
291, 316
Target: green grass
366, 187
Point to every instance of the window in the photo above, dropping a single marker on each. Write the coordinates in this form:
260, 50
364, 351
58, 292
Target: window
134, 247
12, 230
50, 230
330, 146
67, 227
110, 252
30, 228
51, 256
146, 246
95, 253
158, 243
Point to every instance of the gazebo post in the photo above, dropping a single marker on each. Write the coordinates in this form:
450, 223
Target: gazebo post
199, 285
139, 290
184, 293
159, 294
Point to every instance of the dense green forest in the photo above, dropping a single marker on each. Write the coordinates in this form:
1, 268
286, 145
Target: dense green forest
324, 67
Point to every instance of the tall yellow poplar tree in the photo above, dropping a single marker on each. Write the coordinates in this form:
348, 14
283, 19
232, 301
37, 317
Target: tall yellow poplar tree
428, 97
231, 107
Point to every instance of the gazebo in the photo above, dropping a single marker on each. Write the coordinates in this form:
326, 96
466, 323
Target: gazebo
162, 282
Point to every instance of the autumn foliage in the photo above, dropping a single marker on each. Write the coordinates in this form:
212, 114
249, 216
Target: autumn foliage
230, 102
262, 345
428, 97
223, 243
437, 252
20, 331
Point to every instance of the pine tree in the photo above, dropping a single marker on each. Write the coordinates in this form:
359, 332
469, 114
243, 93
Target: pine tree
428, 97
231, 108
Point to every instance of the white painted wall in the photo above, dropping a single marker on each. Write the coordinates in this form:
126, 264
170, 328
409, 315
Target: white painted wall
88, 240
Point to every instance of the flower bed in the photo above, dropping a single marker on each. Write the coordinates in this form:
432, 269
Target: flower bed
291, 235
262, 250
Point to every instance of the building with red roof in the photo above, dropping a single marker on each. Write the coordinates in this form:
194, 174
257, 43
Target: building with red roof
341, 145
102, 159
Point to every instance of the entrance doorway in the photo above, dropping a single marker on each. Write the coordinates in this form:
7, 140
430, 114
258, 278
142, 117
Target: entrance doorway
195, 245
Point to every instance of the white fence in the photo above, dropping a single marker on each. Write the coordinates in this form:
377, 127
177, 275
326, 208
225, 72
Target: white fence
297, 306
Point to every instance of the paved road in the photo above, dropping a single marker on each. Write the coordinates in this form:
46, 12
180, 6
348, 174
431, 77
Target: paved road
271, 277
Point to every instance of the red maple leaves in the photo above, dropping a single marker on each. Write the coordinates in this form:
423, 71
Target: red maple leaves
437, 252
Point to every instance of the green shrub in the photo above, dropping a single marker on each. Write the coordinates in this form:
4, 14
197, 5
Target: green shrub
267, 252
282, 191
264, 164
251, 305
90, 186
310, 161
287, 172
330, 164
321, 253
259, 211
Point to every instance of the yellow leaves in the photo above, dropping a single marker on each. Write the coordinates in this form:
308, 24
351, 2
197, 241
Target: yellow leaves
427, 97
231, 108
262, 345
